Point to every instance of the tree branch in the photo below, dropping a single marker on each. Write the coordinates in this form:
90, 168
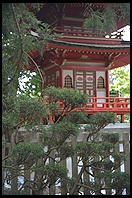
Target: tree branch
85, 186
18, 27
21, 42
42, 80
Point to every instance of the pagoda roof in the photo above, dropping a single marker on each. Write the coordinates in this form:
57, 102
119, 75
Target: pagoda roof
123, 45
118, 55
121, 51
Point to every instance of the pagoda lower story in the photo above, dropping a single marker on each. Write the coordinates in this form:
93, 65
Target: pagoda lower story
86, 68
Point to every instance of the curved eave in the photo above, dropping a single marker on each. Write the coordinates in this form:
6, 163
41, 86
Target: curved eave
122, 49
89, 46
121, 61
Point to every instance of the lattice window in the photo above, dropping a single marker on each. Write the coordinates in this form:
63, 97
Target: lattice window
68, 82
100, 82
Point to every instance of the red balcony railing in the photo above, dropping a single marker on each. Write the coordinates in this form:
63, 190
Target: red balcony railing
119, 105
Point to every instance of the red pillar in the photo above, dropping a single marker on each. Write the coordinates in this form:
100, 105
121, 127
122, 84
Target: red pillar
107, 83
122, 118
107, 94
61, 77
50, 119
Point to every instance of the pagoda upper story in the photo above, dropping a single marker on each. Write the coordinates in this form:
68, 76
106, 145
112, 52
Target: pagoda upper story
67, 19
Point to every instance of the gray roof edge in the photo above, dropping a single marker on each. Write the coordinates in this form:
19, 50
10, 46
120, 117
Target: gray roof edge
88, 45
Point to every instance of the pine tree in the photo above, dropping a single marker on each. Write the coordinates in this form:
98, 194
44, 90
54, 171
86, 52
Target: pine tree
26, 111
104, 21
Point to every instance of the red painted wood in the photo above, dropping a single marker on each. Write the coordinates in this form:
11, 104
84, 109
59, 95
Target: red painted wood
122, 118
119, 106
50, 119
107, 83
61, 77
103, 50
111, 104
51, 70
82, 68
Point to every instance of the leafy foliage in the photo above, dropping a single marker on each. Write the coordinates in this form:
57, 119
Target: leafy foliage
94, 22
109, 22
31, 110
100, 156
26, 154
70, 98
55, 171
63, 100
105, 21
77, 117
66, 150
17, 42
125, 11
121, 181
32, 86
99, 121
120, 80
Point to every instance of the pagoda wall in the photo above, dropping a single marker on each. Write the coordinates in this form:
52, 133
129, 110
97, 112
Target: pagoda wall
67, 73
86, 81
100, 92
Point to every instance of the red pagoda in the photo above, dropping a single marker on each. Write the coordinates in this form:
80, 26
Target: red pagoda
80, 59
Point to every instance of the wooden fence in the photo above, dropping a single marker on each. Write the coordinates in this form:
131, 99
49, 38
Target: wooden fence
123, 129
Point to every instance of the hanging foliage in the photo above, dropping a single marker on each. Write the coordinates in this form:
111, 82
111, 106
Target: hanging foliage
105, 21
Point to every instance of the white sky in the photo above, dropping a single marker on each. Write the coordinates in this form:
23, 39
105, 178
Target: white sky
126, 33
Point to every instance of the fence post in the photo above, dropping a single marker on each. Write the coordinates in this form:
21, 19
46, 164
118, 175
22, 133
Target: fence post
115, 116
52, 187
74, 162
126, 151
85, 175
14, 180
3, 162
26, 137
26, 171
26, 177
117, 150
63, 187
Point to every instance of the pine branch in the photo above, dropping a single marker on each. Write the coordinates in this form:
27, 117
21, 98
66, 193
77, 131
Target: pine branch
39, 71
21, 42
85, 186
18, 29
